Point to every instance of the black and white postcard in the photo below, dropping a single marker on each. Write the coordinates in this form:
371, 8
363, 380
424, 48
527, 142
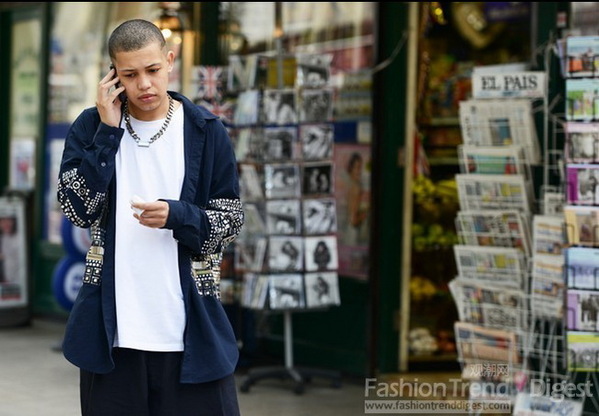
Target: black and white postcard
317, 141
250, 253
285, 253
283, 216
321, 253
316, 105
322, 289
282, 180
319, 216
286, 291
249, 144
281, 144
279, 107
317, 179
313, 70
250, 182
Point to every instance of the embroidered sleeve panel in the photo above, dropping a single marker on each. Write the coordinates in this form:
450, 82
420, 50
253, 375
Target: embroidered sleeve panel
205, 271
78, 202
226, 219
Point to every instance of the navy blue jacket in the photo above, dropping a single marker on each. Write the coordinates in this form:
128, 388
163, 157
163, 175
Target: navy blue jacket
205, 219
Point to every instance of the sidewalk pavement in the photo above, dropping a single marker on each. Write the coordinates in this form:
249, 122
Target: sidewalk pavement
36, 380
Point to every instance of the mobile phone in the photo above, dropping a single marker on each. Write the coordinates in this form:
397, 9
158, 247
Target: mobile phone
122, 95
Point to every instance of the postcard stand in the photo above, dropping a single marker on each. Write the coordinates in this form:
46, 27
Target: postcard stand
287, 285
299, 375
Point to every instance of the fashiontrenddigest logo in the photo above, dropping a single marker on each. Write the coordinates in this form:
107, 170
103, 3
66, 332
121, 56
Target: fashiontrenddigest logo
458, 396
452, 396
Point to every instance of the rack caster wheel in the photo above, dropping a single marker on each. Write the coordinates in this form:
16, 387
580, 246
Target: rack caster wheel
298, 389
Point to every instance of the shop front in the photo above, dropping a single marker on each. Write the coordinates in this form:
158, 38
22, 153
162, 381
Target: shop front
355, 104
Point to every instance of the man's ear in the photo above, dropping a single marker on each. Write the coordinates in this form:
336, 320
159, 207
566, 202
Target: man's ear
170, 58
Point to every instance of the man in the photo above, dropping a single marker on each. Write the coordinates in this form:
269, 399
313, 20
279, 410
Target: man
155, 177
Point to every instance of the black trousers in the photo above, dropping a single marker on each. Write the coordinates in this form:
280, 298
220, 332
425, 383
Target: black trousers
147, 384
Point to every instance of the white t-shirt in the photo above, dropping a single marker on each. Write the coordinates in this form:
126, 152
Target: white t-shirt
149, 301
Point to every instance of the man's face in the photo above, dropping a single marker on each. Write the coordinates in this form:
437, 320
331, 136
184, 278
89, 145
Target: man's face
144, 73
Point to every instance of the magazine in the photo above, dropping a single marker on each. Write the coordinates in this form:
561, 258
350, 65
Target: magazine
250, 182
582, 308
500, 266
480, 192
582, 225
549, 235
503, 228
479, 344
547, 286
581, 184
247, 110
582, 268
251, 253
553, 201
249, 144
582, 142
500, 122
528, 404
582, 54
495, 160
583, 351
582, 103
254, 291
488, 305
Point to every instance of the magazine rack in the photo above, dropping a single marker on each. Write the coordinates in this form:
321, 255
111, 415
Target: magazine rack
299, 375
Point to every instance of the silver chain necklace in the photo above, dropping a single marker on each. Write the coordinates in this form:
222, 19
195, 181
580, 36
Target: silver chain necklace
138, 140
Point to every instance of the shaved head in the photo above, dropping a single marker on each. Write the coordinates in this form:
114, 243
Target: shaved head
133, 35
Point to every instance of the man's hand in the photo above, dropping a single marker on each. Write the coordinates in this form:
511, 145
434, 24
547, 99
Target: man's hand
154, 214
107, 101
